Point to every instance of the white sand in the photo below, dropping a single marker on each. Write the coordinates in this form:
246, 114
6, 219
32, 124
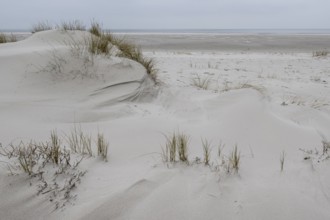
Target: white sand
284, 106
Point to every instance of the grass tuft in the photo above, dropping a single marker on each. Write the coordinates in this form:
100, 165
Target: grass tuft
131, 51
27, 157
95, 29
7, 38
79, 141
169, 154
202, 83
128, 50
234, 159
55, 147
98, 45
41, 26
102, 147
176, 144
206, 151
3, 38
182, 146
321, 53
72, 26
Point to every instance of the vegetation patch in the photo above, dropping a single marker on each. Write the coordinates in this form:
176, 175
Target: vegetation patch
4, 38
52, 167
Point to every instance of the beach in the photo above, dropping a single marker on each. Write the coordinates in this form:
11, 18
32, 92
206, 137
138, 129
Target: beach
267, 95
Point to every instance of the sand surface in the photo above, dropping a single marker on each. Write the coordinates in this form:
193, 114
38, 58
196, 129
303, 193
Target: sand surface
266, 94
232, 42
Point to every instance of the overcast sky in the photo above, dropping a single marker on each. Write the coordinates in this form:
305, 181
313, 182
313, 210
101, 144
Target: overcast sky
167, 14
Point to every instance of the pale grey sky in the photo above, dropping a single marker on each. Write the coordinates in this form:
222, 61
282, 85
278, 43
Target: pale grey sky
167, 14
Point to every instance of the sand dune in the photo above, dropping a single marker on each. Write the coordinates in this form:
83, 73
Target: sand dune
266, 102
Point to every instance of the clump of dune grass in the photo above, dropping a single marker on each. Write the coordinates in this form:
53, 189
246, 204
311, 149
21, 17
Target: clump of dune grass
96, 29
182, 146
320, 53
41, 26
201, 82
72, 26
57, 174
7, 38
102, 147
234, 159
176, 145
27, 157
126, 49
55, 147
55, 167
79, 141
98, 45
3, 38
169, 153
206, 151
131, 51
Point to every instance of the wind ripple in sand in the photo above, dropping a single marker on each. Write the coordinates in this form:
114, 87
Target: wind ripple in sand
118, 207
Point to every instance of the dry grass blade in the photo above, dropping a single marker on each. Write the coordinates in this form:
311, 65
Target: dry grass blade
169, 154
95, 29
102, 147
182, 146
98, 45
55, 147
41, 26
72, 26
234, 159
202, 83
79, 141
206, 151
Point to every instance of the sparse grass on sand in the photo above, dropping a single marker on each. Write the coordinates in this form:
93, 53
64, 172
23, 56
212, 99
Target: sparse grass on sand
102, 147
235, 158
72, 26
41, 26
206, 151
98, 45
201, 82
176, 150
101, 43
96, 29
176, 144
7, 38
320, 53
55, 167
126, 49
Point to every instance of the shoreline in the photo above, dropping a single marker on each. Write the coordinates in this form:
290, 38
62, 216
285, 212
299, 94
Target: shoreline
224, 42
235, 40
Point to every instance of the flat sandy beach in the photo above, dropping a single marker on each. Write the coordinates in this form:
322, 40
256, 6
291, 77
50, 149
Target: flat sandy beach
232, 42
